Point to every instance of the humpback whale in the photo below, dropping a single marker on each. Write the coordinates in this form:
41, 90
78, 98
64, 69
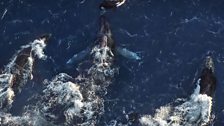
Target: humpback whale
19, 70
109, 4
79, 100
194, 111
104, 46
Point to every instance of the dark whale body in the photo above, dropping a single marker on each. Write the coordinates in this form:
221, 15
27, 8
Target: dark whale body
19, 71
18, 68
21, 63
105, 30
208, 79
104, 38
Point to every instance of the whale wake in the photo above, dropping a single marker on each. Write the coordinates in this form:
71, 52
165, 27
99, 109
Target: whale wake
193, 112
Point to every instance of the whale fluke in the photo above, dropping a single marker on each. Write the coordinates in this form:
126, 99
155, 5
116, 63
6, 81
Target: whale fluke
110, 4
208, 79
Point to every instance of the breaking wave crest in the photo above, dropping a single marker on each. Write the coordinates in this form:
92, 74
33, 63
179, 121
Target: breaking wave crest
193, 112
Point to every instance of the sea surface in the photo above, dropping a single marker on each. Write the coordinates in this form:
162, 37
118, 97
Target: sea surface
172, 37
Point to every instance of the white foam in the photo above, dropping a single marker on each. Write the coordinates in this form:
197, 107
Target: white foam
30, 118
61, 91
38, 46
120, 3
100, 55
195, 111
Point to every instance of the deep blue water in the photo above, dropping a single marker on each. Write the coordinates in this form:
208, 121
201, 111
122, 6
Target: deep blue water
172, 36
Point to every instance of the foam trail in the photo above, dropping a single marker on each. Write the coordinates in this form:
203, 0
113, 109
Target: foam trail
193, 112
19, 71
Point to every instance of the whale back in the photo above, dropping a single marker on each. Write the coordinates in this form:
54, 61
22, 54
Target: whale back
106, 31
208, 79
19, 68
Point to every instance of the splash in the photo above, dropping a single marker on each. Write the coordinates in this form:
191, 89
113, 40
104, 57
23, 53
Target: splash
37, 47
74, 105
64, 94
193, 112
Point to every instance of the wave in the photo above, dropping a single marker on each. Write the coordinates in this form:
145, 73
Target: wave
193, 112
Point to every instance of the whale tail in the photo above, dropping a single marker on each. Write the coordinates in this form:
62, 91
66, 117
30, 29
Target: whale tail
110, 4
208, 79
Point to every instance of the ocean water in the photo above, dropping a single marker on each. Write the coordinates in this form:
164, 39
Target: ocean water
172, 37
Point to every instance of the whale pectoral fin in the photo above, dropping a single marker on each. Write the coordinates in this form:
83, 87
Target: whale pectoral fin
79, 56
127, 54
